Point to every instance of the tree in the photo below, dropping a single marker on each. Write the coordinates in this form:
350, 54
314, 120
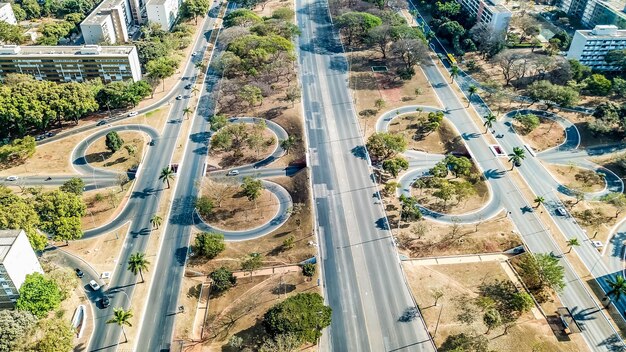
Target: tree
607, 118
448, 9
252, 95
411, 52
572, 242
161, 68
10, 33
58, 336
195, 8
472, 89
252, 262
528, 121
546, 91
287, 144
516, 157
281, 343
617, 287
410, 209
542, 271
465, 343
60, 213
445, 192
19, 12
156, 221
19, 213
619, 86
308, 270
137, 263
395, 165
18, 150
617, 58
15, 328
355, 25
241, 18
38, 295
218, 121
440, 169
187, 111
454, 72
113, 141
492, 319
597, 84
222, 279
121, 317
74, 185
460, 166
209, 244
384, 145
303, 315
579, 71
252, 188
65, 279
539, 200
436, 294
489, 120
390, 187
451, 31
167, 174
204, 206
616, 199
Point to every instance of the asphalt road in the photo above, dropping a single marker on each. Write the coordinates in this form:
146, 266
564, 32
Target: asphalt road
597, 330
362, 277
142, 205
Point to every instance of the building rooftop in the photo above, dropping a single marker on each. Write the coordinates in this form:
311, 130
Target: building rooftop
156, 2
42, 50
99, 13
7, 238
496, 5
603, 31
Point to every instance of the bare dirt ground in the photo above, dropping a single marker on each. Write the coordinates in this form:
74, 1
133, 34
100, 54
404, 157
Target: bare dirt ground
442, 141
100, 252
459, 284
547, 135
566, 175
54, 158
427, 238
98, 155
104, 204
238, 213
225, 160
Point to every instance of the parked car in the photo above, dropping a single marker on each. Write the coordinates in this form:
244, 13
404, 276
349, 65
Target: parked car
12, 178
94, 285
49, 134
232, 173
132, 113
101, 123
106, 301
79, 272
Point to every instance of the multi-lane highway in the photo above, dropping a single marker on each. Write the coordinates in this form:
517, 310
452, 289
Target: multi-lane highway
363, 280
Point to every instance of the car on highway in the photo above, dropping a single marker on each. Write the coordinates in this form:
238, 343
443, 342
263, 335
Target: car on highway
554, 255
232, 173
49, 134
179, 97
152, 142
188, 86
105, 301
132, 113
12, 178
79, 272
560, 211
40, 137
94, 285
101, 123
194, 54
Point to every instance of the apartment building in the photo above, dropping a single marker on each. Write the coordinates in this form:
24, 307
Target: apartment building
17, 259
6, 13
163, 12
590, 46
71, 63
596, 12
112, 21
489, 12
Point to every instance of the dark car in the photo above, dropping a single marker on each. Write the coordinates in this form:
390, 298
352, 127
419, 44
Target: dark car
152, 142
188, 86
79, 272
101, 122
49, 134
106, 301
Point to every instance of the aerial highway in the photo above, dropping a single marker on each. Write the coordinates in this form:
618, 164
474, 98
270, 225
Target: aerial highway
362, 277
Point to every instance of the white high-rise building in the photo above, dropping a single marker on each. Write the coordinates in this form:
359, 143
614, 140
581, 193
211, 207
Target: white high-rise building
17, 259
6, 13
111, 21
489, 12
163, 12
590, 46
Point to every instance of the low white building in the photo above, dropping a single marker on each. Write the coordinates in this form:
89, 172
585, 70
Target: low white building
489, 12
6, 13
590, 46
17, 259
163, 12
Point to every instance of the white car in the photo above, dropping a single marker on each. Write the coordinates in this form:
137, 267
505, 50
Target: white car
94, 285
12, 178
179, 97
133, 113
233, 173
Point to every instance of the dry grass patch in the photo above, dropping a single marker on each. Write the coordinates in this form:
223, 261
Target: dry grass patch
576, 178
596, 218
460, 285
127, 157
102, 251
244, 155
427, 238
444, 140
103, 204
545, 136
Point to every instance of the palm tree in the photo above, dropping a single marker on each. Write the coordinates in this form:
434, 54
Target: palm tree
618, 287
454, 72
121, 317
137, 264
186, 112
489, 120
156, 221
572, 242
166, 175
472, 89
516, 157
194, 90
539, 200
